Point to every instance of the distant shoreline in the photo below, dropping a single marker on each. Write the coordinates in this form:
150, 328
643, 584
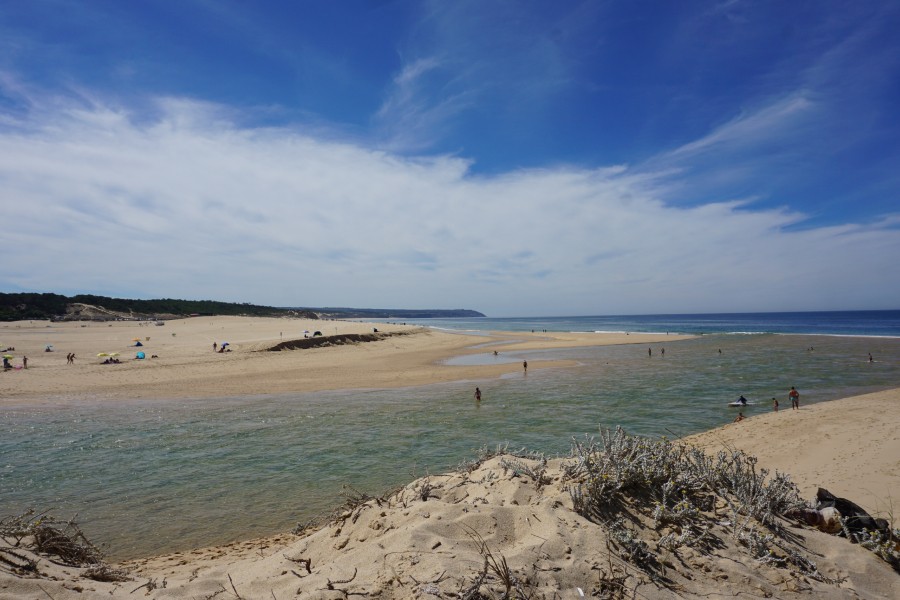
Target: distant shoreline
880, 323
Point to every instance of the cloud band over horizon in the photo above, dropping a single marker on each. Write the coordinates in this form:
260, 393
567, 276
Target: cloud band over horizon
191, 204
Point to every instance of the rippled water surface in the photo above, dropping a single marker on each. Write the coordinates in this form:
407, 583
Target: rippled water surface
162, 475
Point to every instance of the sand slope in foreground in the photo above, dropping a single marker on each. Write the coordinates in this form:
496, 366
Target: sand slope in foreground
851, 447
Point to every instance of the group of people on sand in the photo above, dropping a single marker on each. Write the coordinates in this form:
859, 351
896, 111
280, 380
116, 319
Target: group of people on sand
793, 396
8, 365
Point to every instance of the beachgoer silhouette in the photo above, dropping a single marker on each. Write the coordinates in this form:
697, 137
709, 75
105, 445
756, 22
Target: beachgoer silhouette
794, 395
775, 404
870, 357
477, 394
739, 418
649, 351
214, 346
525, 365
24, 362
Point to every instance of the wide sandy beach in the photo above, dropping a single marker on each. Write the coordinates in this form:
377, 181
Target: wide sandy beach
186, 365
430, 538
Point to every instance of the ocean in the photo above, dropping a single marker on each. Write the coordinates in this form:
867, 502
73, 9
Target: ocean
865, 323
154, 476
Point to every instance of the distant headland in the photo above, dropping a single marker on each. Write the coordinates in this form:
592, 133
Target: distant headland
391, 313
88, 307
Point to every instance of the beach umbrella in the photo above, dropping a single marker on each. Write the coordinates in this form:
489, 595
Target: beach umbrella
135, 339
140, 355
7, 356
101, 354
113, 353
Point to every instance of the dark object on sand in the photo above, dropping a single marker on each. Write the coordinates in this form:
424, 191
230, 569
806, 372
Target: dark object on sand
855, 518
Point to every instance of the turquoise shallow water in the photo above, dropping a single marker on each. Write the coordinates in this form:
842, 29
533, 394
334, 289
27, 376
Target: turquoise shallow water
161, 475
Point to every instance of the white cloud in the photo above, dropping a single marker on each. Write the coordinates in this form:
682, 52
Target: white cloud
762, 125
191, 205
413, 114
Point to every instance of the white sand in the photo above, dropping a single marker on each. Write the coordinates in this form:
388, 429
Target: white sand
851, 447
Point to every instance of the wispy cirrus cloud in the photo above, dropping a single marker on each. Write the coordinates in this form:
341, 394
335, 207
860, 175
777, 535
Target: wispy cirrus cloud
766, 125
414, 116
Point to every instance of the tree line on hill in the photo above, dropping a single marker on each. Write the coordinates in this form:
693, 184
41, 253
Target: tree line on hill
36, 306
33, 306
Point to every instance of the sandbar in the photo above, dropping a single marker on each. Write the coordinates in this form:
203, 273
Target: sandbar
186, 365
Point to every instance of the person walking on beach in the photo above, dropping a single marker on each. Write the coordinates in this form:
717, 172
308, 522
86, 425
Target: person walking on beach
794, 395
214, 346
24, 362
775, 404
477, 395
525, 365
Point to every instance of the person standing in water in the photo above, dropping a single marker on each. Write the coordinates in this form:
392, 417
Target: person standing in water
477, 395
525, 365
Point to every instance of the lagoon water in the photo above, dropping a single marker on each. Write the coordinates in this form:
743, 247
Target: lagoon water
161, 475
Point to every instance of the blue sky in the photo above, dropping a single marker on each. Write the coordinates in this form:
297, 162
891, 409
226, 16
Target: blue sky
518, 158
